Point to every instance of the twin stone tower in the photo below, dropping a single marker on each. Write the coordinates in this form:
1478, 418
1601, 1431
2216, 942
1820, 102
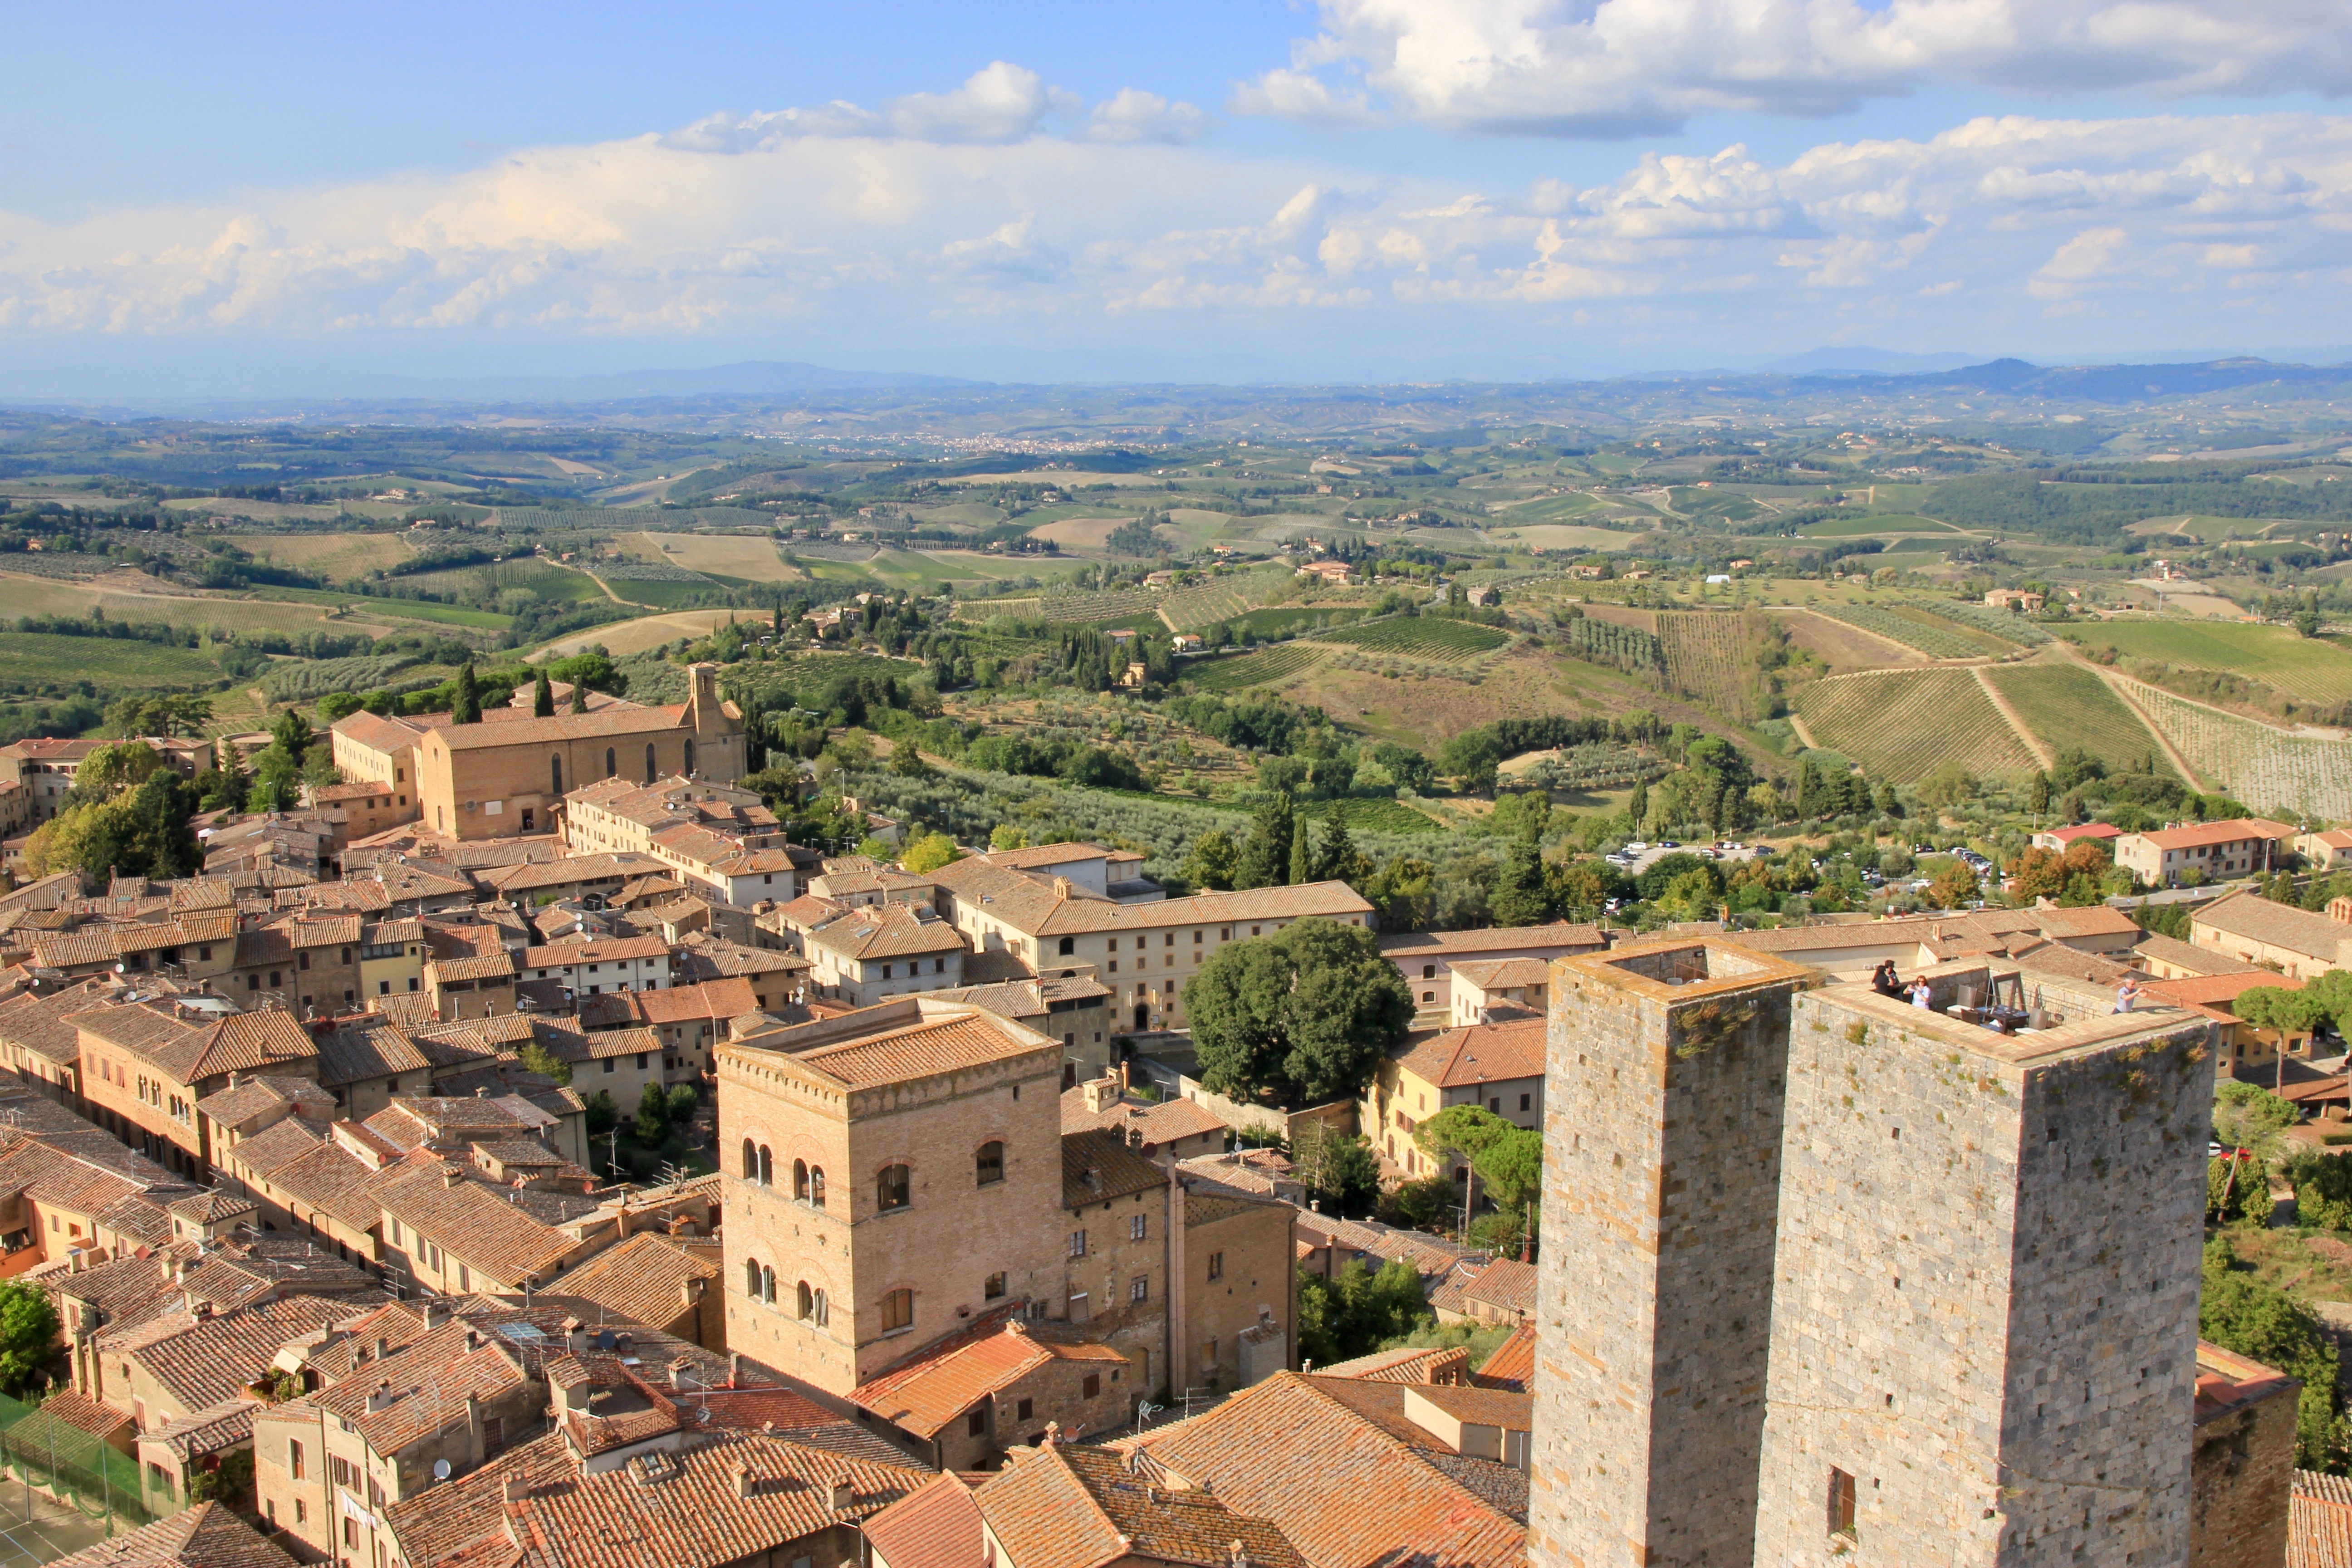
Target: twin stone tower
1831, 1278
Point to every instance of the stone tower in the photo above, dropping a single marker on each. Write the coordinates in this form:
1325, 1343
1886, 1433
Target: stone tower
1984, 1334
1665, 1079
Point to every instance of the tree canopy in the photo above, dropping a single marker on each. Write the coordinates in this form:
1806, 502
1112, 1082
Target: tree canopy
1303, 1014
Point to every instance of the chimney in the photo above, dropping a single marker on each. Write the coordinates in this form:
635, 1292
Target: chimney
1240, 1557
512, 1489
1061, 889
734, 1368
743, 1484
1101, 1091
383, 1347
1123, 1080
841, 1496
689, 1291
1053, 1435
379, 1397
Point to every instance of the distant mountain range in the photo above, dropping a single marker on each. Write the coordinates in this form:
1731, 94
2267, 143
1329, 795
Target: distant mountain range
751, 378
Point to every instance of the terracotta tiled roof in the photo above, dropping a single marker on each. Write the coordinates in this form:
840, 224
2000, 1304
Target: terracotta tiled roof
188, 1052
934, 1045
936, 1527
532, 876
261, 1094
715, 999
332, 1180
2259, 919
207, 1431
1431, 1256
1481, 1053
430, 1378
1407, 1364
2319, 1521
485, 966
274, 1147
212, 1361
473, 1224
1506, 1284
2153, 948
941, 1383
644, 1279
1079, 1507
1513, 1412
885, 931
1346, 1493
1099, 1165
597, 949
2097, 920
439, 1523
1032, 905
2237, 830
1159, 1121
619, 719
361, 1051
38, 1024
2217, 990
1446, 944
1513, 1363
691, 1511
714, 958
1493, 973
84, 1414
205, 1536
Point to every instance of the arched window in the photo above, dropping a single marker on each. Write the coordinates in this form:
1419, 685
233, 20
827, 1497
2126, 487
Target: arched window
750, 1161
768, 1286
767, 1167
891, 1188
991, 1162
555, 774
752, 1278
804, 1302
819, 1313
897, 1310
689, 756
816, 1185
649, 762
611, 762
800, 1180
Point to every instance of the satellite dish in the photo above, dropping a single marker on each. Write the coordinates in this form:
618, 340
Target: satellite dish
440, 1470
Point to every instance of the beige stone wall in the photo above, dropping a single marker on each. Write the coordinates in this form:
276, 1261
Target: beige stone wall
1237, 1259
942, 1246
1987, 1301
1016, 1417
1655, 1300
2240, 1476
1116, 1258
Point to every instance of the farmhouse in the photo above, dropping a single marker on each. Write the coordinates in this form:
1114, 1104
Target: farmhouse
2236, 847
2014, 599
2257, 932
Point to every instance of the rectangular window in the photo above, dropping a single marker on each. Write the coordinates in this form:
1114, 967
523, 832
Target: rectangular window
1078, 1244
1092, 1386
976, 1423
294, 1460
1840, 1502
1523, 1102
1137, 1228
1141, 1290
1024, 1410
1216, 1266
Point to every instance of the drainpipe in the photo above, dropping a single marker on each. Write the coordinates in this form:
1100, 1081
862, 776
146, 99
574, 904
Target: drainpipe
1177, 1340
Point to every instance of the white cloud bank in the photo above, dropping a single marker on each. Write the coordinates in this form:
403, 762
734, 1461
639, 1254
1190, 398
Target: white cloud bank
889, 235
1622, 67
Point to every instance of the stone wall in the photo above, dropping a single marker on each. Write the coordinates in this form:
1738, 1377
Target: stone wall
1987, 1304
1665, 1074
2242, 1469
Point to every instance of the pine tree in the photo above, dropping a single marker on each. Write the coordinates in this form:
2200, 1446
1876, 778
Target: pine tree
542, 697
467, 707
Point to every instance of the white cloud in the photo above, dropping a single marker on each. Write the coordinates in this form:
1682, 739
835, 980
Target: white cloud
878, 235
1620, 68
999, 102
1308, 100
1134, 115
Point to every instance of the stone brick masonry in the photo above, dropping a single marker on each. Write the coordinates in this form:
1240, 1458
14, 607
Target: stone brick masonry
1655, 1304
1987, 1308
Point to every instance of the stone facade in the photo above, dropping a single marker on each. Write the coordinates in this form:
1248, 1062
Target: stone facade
823, 1121
1667, 1066
1986, 1321
2242, 1471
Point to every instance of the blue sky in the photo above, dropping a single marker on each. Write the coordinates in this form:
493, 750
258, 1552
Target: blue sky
253, 198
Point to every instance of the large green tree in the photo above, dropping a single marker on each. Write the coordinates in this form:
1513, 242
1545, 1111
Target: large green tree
2242, 1313
1304, 1016
29, 1333
1265, 857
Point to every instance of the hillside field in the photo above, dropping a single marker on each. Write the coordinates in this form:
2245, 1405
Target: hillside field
2313, 668
2066, 705
1902, 724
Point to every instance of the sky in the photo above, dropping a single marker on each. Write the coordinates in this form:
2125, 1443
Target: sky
250, 199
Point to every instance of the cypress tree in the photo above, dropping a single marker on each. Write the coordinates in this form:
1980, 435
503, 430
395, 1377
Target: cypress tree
1302, 854
542, 697
1265, 854
579, 697
467, 707
1638, 807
